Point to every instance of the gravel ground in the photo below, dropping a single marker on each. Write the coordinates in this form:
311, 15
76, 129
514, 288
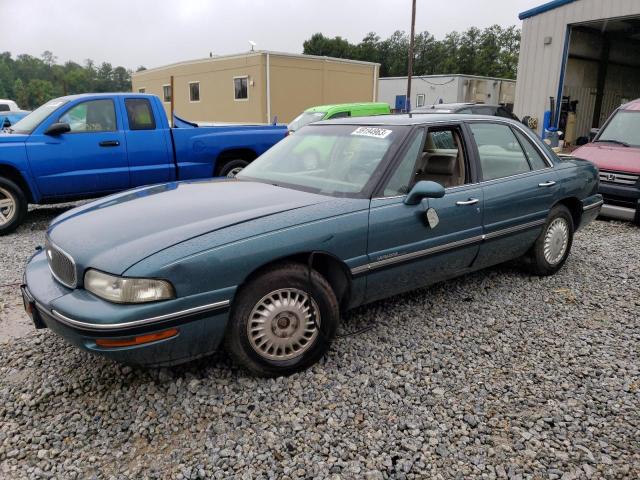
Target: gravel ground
494, 375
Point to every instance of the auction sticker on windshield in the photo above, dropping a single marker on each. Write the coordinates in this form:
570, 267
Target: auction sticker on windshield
372, 132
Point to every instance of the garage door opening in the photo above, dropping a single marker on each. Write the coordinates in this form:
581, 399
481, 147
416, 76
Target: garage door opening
602, 72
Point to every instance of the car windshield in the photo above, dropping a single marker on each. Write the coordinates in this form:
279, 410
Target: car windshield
624, 128
305, 118
337, 160
29, 123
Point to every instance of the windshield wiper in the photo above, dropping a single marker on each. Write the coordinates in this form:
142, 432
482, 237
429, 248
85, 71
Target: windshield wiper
610, 140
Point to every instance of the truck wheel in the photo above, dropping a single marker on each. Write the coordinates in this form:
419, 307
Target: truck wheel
13, 206
283, 321
232, 168
554, 243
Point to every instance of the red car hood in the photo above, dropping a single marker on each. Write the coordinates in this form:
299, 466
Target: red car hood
610, 157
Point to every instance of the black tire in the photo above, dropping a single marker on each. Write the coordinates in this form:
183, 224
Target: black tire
231, 165
286, 276
538, 262
12, 217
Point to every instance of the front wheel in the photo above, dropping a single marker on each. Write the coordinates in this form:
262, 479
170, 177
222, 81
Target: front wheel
553, 245
13, 206
232, 168
282, 321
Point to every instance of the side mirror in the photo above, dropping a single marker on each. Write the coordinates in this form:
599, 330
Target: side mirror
424, 189
57, 129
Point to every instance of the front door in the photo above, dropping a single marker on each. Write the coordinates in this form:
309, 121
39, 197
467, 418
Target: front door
408, 250
90, 159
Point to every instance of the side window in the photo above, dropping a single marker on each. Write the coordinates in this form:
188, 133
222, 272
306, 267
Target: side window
464, 110
500, 152
91, 116
503, 112
340, 115
240, 91
482, 110
402, 178
535, 157
443, 158
140, 114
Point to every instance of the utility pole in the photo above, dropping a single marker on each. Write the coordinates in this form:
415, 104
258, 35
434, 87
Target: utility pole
410, 69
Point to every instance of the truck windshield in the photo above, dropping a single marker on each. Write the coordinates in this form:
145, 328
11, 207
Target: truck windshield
624, 129
305, 118
336, 160
29, 123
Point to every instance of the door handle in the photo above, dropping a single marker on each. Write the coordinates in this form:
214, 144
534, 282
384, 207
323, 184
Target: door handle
471, 201
109, 143
550, 183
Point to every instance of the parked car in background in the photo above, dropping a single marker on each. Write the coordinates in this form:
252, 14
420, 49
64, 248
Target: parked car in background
9, 118
266, 261
90, 145
341, 110
8, 106
468, 108
615, 150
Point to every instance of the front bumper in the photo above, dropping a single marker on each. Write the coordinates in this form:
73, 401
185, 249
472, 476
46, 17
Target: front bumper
81, 318
621, 202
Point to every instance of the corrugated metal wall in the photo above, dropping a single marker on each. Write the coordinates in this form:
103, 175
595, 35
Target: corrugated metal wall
539, 64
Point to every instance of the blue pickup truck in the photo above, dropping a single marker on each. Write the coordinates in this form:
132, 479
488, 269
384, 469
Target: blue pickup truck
90, 145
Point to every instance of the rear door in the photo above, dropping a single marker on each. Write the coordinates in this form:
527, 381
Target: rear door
149, 152
519, 188
406, 250
90, 159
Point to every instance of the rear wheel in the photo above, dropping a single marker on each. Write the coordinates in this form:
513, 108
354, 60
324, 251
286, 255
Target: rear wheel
280, 322
232, 167
553, 245
13, 206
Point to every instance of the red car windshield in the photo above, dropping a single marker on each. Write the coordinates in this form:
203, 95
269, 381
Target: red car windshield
624, 129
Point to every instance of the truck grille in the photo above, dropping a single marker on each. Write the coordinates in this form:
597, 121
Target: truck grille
61, 265
618, 177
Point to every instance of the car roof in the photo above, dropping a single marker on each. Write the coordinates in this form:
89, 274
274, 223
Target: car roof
408, 119
104, 94
346, 106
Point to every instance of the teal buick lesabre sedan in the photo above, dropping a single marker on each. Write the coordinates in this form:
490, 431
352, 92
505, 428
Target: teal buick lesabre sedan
339, 214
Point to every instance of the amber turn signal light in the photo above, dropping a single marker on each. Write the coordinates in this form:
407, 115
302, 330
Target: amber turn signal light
138, 340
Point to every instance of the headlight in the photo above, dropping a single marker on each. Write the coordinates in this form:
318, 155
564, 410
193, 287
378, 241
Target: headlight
127, 290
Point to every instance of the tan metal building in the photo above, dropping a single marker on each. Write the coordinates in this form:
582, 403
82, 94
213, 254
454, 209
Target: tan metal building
257, 86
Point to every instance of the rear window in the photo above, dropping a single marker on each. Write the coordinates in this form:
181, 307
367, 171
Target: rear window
140, 114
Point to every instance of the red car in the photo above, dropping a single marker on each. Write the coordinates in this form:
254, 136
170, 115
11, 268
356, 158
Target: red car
615, 150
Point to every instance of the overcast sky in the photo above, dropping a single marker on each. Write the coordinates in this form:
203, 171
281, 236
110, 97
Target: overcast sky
156, 32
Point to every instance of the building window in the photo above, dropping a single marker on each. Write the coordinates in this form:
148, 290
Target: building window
142, 90
194, 91
166, 93
420, 100
240, 84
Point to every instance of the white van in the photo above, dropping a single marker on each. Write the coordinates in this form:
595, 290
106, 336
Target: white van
8, 106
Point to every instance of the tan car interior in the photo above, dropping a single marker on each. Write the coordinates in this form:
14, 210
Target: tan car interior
445, 166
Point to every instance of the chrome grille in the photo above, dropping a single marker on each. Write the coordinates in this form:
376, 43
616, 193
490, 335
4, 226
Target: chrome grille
61, 265
618, 177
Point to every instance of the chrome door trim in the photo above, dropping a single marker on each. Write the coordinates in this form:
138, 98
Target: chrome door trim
136, 323
517, 228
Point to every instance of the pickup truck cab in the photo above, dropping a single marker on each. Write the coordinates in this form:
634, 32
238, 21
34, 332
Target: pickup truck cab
615, 150
90, 145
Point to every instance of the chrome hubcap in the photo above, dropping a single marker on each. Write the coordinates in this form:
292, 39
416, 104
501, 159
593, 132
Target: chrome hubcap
7, 206
234, 171
556, 241
282, 325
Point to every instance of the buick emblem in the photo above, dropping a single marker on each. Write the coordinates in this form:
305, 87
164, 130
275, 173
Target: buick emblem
611, 177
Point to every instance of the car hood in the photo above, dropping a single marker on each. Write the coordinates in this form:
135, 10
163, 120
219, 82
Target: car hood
115, 232
610, 157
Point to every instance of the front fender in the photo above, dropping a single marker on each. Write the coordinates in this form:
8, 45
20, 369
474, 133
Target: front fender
14, 161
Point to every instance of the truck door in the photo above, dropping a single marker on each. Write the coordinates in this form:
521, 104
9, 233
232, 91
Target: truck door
89, 160
149, 150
